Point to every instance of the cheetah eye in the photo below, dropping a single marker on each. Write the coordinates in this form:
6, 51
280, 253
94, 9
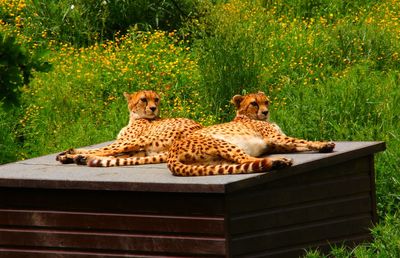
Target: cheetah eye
156, 100
143, 99
254, 103
266, 103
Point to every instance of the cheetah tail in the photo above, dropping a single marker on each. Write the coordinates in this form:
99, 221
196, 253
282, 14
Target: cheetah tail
97, 161
260, 165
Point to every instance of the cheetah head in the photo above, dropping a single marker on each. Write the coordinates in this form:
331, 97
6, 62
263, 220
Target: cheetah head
143, 104
253, 105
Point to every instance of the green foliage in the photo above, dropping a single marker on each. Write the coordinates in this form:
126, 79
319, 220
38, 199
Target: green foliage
387, 238
8, 138
317, 8
12, 59
231, 52
353, 107
84, 22
16, 65
244, 47
366, 43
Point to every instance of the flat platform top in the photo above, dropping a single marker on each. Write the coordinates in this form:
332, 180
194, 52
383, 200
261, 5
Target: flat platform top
46, 172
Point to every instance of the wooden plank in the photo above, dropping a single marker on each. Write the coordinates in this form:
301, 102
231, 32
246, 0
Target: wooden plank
111, 221
266, 198
33, 219
340, 170
374, 212
112, 201
9, 252
183, 244
303, 233
300, 213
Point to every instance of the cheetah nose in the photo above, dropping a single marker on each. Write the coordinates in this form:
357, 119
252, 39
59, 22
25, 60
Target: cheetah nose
265, 112
153, 108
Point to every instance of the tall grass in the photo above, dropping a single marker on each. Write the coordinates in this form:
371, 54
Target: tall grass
231, 52
317, 8
246, 47
85, 22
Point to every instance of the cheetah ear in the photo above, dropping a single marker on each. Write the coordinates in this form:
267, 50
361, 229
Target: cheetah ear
236, 100
127, 95
261, 92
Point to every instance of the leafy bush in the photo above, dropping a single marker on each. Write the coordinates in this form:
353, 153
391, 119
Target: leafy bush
8, 138
16, 65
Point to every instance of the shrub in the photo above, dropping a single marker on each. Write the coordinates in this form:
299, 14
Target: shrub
16, 65
8, 137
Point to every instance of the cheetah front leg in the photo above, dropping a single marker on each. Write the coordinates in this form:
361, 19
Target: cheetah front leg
79, 156
97, 161
286, 144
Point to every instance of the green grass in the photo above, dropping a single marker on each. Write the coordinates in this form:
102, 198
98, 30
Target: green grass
331, 69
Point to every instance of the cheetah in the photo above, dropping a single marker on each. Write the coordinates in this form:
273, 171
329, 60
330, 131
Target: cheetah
145, 140
235, 147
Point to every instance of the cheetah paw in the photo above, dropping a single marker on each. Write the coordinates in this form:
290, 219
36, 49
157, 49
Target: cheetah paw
80, 159
327, 147
65, 157
281, 162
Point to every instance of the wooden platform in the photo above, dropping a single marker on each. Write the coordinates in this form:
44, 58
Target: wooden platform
48, 209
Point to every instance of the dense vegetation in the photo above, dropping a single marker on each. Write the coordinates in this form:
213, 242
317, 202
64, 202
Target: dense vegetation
331, 68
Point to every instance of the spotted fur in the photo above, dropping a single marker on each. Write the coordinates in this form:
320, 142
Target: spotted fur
145, 140
234, 147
